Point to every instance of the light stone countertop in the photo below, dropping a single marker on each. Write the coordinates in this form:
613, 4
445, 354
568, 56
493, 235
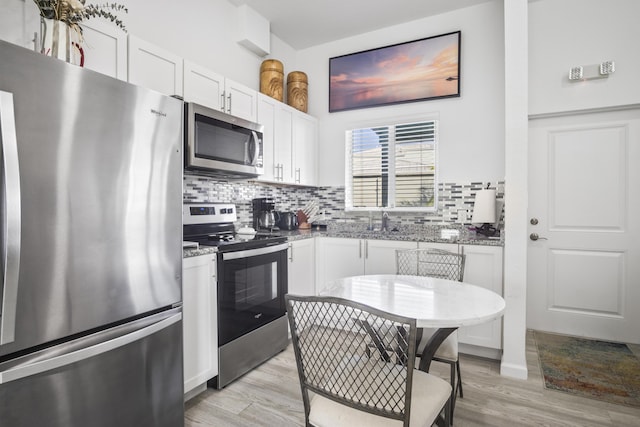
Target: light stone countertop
433, 234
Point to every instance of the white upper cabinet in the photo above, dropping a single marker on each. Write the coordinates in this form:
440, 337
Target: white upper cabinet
154, 67
283, 136
267, 117
215, 91
105, 49
240, 100
290, 141
203, 86
304, 149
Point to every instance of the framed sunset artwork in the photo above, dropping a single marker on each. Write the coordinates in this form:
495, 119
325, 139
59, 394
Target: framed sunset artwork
413, 71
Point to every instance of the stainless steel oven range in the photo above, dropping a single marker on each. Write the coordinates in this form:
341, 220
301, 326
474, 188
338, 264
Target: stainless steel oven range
252, 282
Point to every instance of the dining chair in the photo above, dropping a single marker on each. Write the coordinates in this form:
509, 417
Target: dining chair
356, 366
443, 264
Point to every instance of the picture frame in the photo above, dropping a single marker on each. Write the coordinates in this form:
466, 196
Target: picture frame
418, 70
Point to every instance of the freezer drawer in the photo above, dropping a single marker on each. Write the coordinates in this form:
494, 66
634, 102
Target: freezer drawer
126, 376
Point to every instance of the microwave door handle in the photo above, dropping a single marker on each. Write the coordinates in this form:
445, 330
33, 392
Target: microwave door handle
11, 224
255, 148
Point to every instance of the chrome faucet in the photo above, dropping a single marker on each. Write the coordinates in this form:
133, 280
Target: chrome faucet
385, 221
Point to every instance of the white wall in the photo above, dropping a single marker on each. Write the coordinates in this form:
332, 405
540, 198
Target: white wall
202, 31
568, 33
514, 361
471, 127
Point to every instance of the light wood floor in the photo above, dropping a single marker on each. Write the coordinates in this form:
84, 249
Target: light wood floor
270, 396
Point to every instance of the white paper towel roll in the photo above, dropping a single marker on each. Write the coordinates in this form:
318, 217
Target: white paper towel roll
484, 208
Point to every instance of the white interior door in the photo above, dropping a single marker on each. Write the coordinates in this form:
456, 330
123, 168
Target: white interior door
584, 187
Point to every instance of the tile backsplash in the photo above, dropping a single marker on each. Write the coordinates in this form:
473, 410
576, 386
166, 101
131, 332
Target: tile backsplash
454, 199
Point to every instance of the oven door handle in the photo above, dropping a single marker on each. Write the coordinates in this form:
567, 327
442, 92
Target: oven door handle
254, 252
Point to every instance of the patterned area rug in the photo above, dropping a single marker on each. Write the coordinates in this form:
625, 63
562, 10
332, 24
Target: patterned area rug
595, 369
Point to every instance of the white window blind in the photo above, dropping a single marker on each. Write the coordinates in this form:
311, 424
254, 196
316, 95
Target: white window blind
392, 167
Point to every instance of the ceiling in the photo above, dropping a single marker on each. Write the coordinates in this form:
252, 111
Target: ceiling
305, 23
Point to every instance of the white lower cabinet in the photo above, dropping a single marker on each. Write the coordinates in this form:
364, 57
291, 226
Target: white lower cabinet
343, 257
199, 320
380, 255
336, 258
482, 267
301, 267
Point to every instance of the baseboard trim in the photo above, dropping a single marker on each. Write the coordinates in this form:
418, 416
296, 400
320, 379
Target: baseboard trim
514, 371
195, 391
474, 350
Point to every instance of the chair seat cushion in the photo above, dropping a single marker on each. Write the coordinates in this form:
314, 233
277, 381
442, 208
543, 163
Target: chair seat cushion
428, 396
448, 350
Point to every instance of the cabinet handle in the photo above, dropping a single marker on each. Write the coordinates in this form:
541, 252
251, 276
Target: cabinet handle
281, 175
366, 249
298, 175
229, 107
290, 252
222, 103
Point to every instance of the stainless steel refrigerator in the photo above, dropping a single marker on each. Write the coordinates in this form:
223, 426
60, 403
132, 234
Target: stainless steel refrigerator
91, 253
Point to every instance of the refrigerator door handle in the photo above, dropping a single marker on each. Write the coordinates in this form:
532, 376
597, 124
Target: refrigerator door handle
10, 219
40, 366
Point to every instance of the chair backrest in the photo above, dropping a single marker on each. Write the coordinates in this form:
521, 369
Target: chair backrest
353, 354
430, 262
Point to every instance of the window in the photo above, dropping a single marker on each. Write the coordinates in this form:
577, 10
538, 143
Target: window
392, 167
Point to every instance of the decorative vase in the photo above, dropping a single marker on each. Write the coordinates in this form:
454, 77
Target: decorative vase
61, 41
297, 90
272, 79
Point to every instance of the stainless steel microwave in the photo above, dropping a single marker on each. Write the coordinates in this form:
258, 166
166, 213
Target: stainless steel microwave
222, 145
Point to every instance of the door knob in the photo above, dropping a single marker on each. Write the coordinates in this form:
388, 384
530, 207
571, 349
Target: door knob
534, 236
534, 221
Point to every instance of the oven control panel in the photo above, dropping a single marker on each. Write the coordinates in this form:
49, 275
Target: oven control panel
208, 213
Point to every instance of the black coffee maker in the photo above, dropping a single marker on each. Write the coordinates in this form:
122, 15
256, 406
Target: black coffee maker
264, 214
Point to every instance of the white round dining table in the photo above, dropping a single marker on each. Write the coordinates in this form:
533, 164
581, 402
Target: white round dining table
434, 303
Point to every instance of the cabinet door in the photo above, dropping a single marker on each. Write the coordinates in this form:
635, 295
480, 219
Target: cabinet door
241, 101
380, 255
483, 267
105, 49
19, 21
267, 118
154, 68
336, 258
282, 143
301, 267
451, 247
203, 86
304, 149
200, 320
